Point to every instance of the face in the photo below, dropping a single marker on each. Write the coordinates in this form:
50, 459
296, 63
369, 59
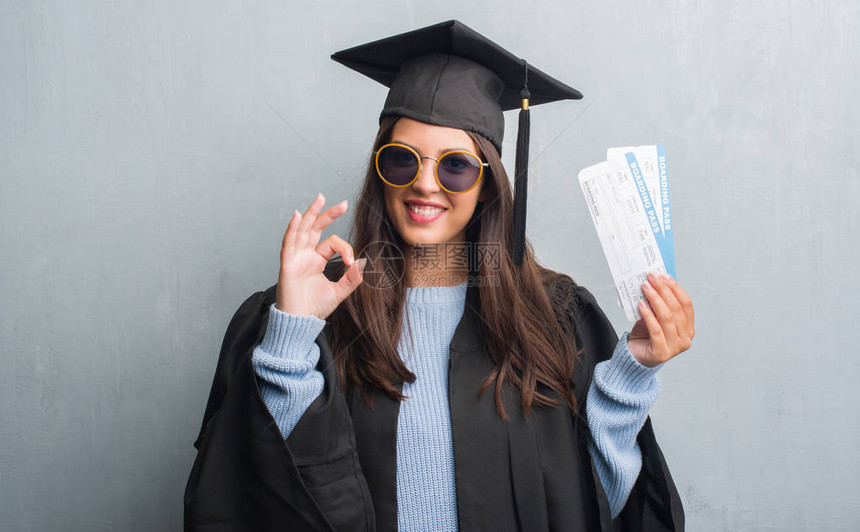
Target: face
449, 225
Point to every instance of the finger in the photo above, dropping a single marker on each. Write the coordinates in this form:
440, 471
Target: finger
673, 322
308, 219
661, 311
685, 301
288, 247
659, 348
333, 245
659, 283
684, 326
323, 220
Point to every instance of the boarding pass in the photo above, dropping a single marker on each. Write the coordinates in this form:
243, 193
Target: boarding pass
628, 198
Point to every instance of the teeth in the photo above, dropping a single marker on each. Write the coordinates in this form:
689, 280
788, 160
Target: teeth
424, 211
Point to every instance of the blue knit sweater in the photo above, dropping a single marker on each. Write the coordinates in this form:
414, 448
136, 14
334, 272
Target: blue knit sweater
618, 402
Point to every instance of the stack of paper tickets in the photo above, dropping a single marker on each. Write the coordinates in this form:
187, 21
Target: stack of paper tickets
628, 198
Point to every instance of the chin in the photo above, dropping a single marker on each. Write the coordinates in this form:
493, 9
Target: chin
414, 239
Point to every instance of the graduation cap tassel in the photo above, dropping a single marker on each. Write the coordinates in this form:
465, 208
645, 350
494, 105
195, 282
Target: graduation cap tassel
521, 169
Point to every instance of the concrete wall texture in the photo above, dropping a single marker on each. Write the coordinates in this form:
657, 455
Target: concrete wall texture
151, 154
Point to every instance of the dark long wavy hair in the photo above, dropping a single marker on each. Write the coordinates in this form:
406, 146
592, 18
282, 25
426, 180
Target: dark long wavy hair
522, 331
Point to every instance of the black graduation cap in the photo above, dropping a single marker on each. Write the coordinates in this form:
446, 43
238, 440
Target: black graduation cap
450, 75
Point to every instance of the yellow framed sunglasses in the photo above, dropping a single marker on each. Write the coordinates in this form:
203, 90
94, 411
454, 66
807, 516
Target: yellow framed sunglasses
457, 171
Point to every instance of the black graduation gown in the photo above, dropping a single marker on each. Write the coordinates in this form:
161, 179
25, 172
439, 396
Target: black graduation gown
336, 470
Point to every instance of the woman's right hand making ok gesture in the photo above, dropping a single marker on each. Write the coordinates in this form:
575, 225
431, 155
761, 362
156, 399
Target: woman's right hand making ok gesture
303, 289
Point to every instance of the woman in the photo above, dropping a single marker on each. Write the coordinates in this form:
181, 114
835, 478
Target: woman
354, 400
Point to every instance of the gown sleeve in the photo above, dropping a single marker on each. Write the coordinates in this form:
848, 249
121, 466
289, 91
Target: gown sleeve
246, 476
654, 502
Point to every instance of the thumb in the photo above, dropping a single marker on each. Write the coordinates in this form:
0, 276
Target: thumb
352, 278
639, 330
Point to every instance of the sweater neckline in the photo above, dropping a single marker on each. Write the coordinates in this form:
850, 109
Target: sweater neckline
435, 295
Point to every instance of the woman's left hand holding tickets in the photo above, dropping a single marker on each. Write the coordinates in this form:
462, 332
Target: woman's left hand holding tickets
666, 328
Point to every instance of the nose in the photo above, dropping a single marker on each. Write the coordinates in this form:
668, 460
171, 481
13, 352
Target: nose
426, 181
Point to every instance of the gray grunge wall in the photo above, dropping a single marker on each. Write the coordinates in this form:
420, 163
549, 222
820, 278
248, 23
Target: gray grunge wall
151, 154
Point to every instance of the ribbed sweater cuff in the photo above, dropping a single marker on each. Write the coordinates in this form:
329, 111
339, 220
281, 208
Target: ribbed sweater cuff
290, 336
624, 378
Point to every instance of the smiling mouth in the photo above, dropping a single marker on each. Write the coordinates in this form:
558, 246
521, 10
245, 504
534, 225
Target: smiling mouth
424, 210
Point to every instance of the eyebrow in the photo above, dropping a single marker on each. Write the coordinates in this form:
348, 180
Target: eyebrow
446, 150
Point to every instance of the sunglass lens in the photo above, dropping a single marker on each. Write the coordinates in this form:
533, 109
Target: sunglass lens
459, 171
397, 165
